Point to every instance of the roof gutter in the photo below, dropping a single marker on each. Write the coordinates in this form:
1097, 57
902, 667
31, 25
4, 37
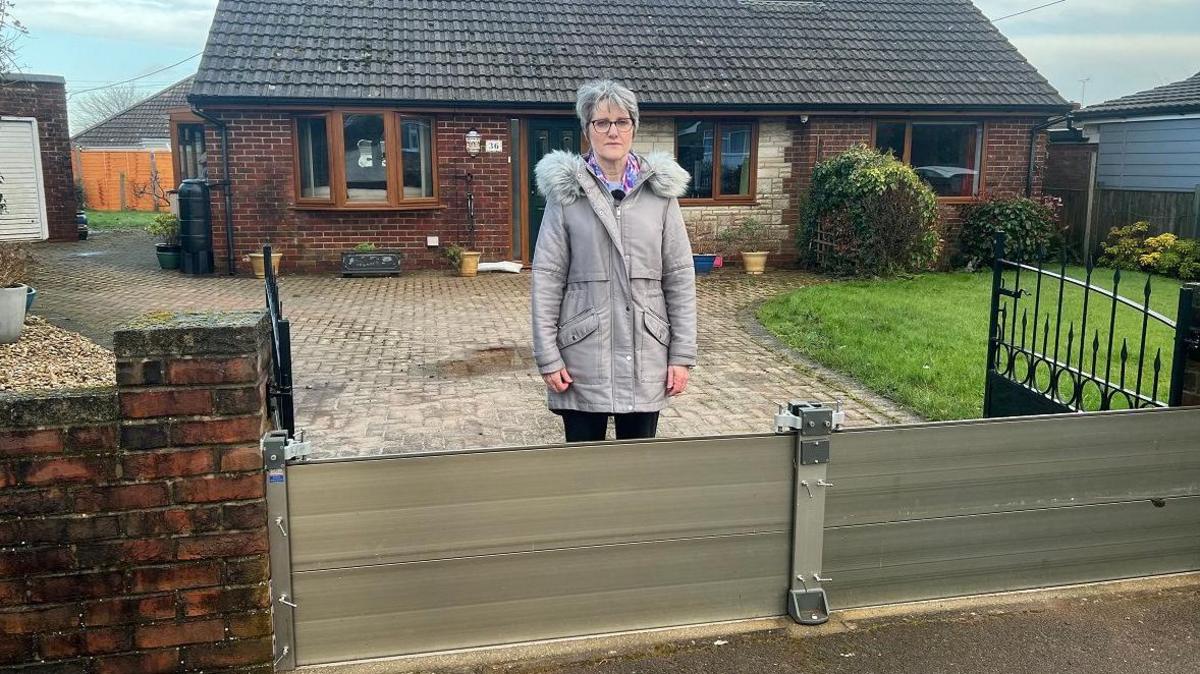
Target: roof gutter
226, 184
1069, 118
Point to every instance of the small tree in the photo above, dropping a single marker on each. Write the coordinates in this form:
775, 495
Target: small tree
153, 188
868, 214
11, 30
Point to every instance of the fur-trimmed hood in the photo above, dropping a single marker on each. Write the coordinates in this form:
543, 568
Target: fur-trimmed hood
559, 174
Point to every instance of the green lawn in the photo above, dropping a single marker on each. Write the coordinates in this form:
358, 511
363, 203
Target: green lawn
923, 341
119, 220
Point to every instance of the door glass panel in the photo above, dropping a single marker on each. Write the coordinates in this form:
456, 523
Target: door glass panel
695, 140
418, 158
735, 158
365, 158
568, 142
542, 142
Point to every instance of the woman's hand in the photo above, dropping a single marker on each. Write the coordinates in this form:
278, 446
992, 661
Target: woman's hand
558, 381
677, 379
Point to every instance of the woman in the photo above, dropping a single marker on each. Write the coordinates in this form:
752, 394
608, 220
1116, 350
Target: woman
614, 290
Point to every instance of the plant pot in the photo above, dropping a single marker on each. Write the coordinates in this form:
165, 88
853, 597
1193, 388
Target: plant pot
29, 298
83, 233
260, 267
168, 255
755, 262
703, 263
12, 313
469, 265
719, 262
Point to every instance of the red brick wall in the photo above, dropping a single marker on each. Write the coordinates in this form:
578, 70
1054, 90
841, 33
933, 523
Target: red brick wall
1006, 158
260, 150
47, 102
132, 524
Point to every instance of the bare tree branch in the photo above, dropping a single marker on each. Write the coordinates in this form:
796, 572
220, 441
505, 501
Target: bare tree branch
11, 30
100, 105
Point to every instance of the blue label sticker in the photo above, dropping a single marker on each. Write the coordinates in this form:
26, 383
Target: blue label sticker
274, 478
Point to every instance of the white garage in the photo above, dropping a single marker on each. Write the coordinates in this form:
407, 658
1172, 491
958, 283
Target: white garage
23, 214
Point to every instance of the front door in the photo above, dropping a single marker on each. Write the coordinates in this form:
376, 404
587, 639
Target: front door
545, 135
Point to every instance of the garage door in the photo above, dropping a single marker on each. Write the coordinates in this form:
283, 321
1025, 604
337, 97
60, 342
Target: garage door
24, 214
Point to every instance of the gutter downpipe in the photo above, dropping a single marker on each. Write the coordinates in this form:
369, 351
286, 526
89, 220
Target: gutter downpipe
226, 185
1069, 118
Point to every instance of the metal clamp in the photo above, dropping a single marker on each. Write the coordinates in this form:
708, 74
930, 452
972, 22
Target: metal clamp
812, 423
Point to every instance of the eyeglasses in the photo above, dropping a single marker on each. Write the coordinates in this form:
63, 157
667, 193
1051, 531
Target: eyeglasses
603, 125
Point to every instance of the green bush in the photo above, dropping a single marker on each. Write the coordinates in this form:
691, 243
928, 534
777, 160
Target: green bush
1128, 248
868, 214
1031, 228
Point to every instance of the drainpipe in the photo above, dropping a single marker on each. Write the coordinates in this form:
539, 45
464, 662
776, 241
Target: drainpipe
226, 185
1069, 118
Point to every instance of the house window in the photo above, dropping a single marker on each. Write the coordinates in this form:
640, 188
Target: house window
945, 154
720, 155
365, 159
190, 150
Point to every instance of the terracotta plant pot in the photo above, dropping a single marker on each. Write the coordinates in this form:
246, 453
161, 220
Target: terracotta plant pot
755, 262
469, 265
260, 268
12, 313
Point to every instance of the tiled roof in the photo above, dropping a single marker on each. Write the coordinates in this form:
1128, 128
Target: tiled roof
836, 53
1177, 97
145, 120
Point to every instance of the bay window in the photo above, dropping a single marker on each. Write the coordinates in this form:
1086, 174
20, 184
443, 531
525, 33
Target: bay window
947, 155
365, 159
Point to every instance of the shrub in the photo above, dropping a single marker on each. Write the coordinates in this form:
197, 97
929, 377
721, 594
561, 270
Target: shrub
80, 196
868, 214
165, 226
16, 265
750, 235
1031, 228
453, 254
1125, 246
1170, 255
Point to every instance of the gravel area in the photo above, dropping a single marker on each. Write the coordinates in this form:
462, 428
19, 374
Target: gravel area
47, 357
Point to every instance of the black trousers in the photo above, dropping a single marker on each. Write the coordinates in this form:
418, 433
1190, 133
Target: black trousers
591, 426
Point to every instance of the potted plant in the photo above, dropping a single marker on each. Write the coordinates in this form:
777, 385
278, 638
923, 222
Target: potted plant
366, 259
704, 255
165, 226
466, 262
750, 239
15, 295
81, 221
269, 195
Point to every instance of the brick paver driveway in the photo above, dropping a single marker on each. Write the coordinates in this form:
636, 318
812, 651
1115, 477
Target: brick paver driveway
432, 361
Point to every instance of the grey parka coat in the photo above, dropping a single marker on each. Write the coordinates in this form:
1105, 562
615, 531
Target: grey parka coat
614, 288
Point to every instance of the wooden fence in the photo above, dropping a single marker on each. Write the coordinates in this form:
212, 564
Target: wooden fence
121, 180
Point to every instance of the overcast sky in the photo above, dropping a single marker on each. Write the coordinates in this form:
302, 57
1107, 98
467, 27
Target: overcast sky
1120, 46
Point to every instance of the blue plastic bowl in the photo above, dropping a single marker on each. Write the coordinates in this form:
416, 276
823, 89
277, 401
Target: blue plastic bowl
704, 263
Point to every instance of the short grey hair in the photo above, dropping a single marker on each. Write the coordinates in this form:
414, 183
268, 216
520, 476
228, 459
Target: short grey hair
591, 94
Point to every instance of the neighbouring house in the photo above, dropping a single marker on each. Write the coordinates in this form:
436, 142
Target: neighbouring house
131, 160
1136, 158
35, 159
357, 121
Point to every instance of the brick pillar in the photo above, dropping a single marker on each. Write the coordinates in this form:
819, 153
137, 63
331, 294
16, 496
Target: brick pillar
132, 523
1191, 376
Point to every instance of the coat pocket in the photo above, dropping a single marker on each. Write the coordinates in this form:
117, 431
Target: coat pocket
579, 346
652, 355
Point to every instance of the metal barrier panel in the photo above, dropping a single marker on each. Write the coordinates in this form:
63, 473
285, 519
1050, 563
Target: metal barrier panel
420, 553
942, 510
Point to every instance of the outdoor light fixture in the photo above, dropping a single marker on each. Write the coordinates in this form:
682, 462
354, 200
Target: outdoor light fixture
473, 142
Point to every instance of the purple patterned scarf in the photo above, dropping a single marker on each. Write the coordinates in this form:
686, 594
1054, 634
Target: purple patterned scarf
633, 168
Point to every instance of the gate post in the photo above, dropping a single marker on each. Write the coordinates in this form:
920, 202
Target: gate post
998, 245
283, 617
813, 423
1185, 366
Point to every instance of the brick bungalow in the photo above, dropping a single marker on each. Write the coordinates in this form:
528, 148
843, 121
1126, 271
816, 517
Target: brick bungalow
349, 122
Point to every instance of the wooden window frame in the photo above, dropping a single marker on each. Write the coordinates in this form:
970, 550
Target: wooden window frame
336, 145
177, 119
719, 199
980, 144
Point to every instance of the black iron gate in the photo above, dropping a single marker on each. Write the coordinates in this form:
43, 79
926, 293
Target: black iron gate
279, 392
1051, 363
